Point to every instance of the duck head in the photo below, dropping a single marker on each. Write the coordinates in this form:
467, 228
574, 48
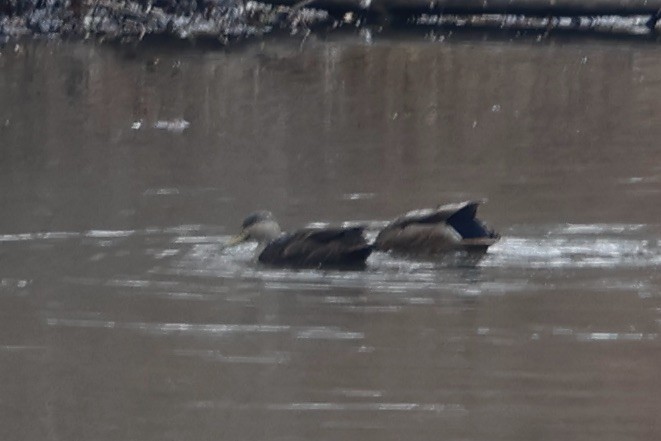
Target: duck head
259, 226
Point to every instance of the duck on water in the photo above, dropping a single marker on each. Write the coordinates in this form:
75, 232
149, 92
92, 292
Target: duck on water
337, 247
437, 231
427, 232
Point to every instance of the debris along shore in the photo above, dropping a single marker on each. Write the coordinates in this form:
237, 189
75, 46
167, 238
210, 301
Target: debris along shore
228, 20
130, 20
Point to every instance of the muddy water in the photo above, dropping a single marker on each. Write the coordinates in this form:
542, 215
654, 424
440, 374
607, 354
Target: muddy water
122, 173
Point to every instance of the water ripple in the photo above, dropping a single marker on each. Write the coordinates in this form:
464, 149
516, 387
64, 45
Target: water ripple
324, 333
211, 355
597, 229
167, 328
310, 333
326, 406
109, 234
369, 407
358, 393
614, 336
573, 252
20, 237
498, 337
21, 348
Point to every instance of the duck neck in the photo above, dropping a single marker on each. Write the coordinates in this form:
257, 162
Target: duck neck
265, 233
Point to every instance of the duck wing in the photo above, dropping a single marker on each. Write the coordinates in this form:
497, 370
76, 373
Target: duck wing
319, 247
436, 215
433, 230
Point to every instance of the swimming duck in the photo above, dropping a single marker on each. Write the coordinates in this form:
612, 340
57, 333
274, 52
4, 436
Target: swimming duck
429, 231
308, 247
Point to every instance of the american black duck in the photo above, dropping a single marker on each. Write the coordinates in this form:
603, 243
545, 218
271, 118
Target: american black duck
432, 231
334, 247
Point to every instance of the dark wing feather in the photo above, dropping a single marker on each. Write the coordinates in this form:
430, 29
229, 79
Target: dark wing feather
467, 225
345, 236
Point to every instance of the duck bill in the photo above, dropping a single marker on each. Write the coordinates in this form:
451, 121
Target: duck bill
241, 237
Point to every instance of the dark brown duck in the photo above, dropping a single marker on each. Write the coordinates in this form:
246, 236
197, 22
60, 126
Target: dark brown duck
335, 247
429, 231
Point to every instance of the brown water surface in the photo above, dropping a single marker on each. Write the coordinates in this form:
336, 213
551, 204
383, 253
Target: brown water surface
123, 171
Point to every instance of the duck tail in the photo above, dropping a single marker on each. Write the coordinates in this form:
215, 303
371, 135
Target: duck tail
468, 226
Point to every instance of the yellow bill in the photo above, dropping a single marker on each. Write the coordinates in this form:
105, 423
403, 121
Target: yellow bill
241, 237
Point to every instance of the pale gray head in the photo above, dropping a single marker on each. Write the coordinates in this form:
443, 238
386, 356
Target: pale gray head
259, 226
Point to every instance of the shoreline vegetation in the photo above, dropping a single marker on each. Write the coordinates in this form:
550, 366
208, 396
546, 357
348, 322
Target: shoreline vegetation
232, 20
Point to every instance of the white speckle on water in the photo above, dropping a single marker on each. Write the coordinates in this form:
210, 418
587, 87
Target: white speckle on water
369, 407
614, 336
176, 125
17, 283
597, 228
161, 192
359, 393
358, 196
109, 233
420, 301
168, 328
96, 257
561, 331
20, 237
212, 355
166, 253
22, 348
325, 333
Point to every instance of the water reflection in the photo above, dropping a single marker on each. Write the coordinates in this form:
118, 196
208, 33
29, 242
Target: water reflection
124, 317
